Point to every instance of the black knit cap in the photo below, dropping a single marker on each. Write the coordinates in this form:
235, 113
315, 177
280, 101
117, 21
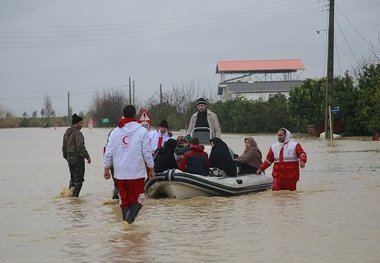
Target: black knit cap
164, 124
129, 111
75, 119
201, 101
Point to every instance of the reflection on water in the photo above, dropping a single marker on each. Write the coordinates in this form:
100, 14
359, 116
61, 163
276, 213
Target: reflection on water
333, 217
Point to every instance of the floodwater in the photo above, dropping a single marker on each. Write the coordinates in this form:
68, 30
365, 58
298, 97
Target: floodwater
332, 217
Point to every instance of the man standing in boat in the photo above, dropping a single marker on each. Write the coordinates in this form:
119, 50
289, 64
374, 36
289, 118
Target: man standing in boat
205, 118
287, 156
129, 153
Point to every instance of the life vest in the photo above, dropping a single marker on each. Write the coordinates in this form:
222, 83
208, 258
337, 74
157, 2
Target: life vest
286, 163
288, 152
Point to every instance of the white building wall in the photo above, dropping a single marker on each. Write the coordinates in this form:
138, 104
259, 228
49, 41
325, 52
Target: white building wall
254, 96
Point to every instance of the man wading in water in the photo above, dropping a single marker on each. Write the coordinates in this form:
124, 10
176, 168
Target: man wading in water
74, 151
129, 153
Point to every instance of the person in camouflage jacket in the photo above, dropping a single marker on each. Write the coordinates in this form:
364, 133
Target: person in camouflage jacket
74, 151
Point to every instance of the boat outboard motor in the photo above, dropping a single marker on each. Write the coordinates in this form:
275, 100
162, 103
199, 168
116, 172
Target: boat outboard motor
132, 212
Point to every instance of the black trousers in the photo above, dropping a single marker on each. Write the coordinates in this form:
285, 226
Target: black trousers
77, 169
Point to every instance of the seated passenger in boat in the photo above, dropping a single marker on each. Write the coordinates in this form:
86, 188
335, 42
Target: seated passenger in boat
195, 160
220, 157
164, 157
251, 158
183, 145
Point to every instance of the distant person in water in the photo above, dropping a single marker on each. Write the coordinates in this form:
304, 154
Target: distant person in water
288, 156
195, 160
251, 158
74, 151
205, 118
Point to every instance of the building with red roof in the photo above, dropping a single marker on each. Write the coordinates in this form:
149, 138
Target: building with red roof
258, 78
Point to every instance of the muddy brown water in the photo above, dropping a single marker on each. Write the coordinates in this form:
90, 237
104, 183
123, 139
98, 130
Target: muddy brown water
332, 217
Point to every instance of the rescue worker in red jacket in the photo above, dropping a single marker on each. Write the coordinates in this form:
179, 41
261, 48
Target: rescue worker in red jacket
287, 156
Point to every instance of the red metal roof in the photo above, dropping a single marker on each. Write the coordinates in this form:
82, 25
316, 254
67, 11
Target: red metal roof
260, 66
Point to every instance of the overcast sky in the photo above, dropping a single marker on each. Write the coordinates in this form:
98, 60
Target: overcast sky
51, 47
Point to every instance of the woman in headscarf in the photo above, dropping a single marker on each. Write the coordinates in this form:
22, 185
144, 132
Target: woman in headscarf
250, 160
220, 157
164, 157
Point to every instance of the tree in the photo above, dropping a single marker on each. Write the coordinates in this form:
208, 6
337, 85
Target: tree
241, 115
34, 114
223, 111
346, 98
369, 98
181, 97
3, 111
166, 111
278, 114
48, 107
307, 103
109, 105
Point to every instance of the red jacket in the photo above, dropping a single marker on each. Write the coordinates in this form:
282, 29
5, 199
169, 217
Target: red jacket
286, 158
195, 161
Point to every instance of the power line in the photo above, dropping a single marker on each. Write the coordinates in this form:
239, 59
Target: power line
345, 40
356, 30
162, 30
337, 56
63, 95
202, 18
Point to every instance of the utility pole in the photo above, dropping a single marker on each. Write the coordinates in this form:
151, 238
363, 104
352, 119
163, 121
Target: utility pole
133, 92
160, 93
68, 104
329, 122
130, 91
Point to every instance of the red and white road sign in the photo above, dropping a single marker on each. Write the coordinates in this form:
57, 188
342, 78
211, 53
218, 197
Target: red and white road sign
144, 119
144, 116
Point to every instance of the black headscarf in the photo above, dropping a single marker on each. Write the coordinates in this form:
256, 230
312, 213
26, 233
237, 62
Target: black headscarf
170, 144
220, 157
164, 157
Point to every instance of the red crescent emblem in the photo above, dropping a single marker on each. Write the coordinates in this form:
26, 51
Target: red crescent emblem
125, 140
